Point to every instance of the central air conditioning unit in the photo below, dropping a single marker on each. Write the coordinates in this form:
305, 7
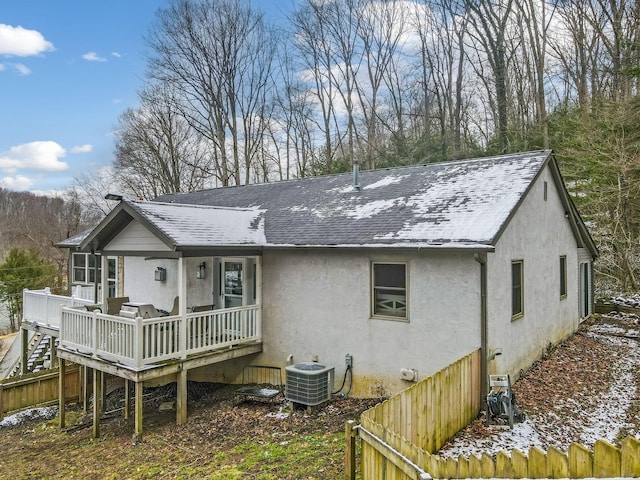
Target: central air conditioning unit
308, 383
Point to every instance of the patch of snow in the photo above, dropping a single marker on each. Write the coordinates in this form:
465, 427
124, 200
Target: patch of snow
607, 328
30, 414
383, 182
299, 208
280, 414
370, 209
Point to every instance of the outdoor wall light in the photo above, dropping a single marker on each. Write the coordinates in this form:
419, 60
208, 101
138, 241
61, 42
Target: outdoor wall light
201, 271
161, 274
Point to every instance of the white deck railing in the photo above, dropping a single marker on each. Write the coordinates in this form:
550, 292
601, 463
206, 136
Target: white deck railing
86, 292
45, 308
138, 342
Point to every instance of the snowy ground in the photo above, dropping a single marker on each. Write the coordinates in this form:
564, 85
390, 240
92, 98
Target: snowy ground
585, 390
44, 413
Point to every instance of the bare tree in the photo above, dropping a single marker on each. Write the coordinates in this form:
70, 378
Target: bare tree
156, 151
309, 22
215, 55
490, 21
381, 28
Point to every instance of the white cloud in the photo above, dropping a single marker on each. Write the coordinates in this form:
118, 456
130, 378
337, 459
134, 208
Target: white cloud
116, 54
2, 67
93, 57
35, 156
20, 42
22, 69
19, 182
82, 149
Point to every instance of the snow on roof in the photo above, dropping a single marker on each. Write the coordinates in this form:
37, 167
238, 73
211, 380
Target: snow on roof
197, 225
455, 204
75, 240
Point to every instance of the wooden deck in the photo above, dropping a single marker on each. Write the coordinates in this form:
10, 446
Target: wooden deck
141, 349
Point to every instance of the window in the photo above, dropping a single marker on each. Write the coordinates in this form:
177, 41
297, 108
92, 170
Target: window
517, 291
112, 276
389, 292
84, 268
563, 276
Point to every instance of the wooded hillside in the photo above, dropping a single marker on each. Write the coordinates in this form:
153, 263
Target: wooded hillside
37, 222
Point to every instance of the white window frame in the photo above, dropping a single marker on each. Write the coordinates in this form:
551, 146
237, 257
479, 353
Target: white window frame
405, 291
86, 268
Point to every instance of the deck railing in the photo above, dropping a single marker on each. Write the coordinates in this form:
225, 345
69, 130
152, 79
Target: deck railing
138, 342
86, 292
45, 308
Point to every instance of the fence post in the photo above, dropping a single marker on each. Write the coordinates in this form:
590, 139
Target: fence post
138, 345
350, 450
47, 293
94, 332
1, 401
182, 336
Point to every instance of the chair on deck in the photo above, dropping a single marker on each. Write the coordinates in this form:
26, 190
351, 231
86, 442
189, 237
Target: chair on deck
148, 311
114, 304
175, 310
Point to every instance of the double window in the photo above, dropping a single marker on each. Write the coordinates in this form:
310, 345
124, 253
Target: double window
517, 289
84, 268
389, 290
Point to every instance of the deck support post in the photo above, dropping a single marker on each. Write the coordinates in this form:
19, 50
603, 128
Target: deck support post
127, 397
62, 374
53, 358
181, 401
86, 390
97, 400
138, 414
103, 391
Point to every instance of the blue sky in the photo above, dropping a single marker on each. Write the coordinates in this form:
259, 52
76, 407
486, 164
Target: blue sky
68, 69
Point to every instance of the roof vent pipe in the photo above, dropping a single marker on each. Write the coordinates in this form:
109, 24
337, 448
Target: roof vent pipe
356, 171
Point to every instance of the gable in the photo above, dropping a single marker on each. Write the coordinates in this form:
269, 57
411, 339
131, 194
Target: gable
136, 238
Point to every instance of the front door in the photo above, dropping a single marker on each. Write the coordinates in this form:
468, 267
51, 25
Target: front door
232, 283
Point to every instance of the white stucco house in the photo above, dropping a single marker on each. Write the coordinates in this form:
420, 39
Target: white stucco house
406, 268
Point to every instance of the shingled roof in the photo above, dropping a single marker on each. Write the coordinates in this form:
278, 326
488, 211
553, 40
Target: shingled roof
453, 204
461, 204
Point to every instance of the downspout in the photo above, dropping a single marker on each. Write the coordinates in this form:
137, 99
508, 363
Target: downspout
481, 258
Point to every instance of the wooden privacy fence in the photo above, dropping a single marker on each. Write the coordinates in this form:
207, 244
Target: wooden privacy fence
386, 454
37, 389
403, 429
433, 410
399, 437
603, 461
